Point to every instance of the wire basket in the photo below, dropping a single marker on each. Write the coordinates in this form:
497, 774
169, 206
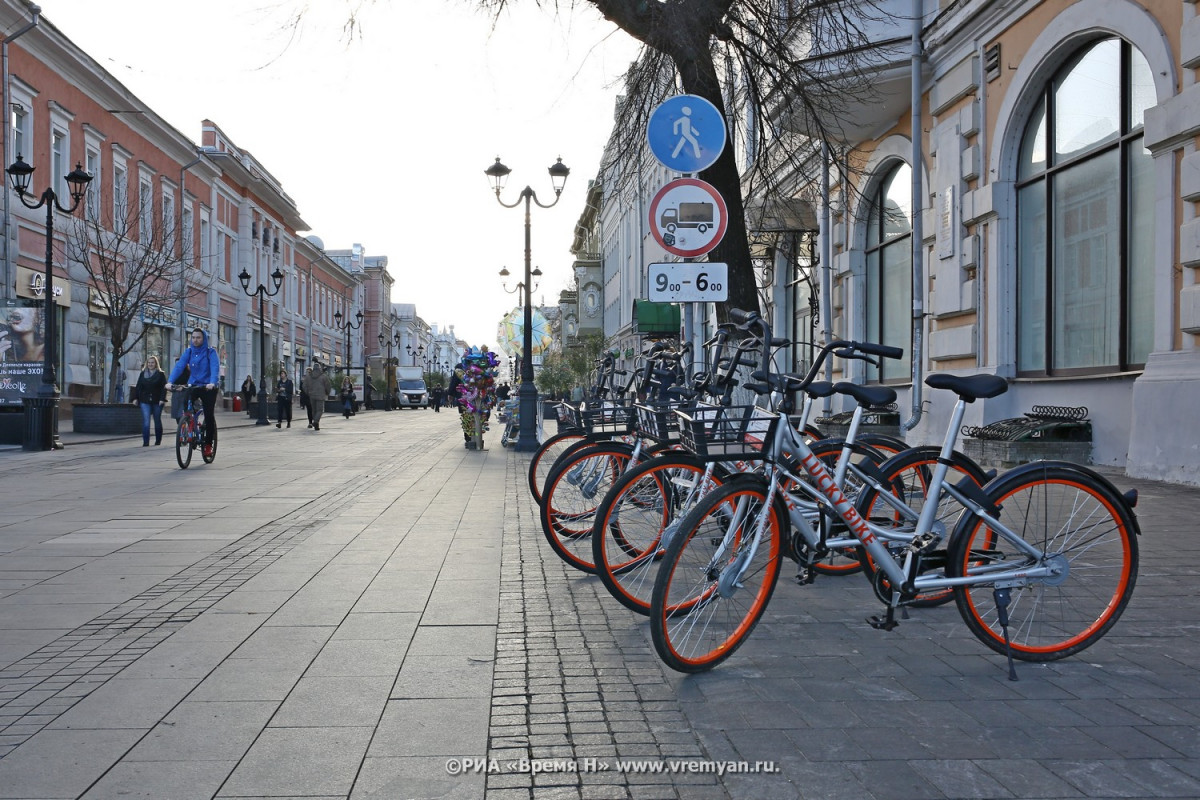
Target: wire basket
607, 418
659, 422
726, 433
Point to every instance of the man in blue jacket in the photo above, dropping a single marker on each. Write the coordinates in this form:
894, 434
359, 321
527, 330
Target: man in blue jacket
204, 372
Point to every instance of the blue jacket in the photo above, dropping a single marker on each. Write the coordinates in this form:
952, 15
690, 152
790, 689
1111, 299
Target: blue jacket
203, 363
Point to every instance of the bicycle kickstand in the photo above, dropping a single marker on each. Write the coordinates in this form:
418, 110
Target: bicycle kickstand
1002, 598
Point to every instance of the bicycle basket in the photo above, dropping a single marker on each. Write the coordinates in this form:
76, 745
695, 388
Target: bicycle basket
659, 422
726, 433
607, 418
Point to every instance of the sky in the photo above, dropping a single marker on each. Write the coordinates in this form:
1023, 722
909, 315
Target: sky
382, 138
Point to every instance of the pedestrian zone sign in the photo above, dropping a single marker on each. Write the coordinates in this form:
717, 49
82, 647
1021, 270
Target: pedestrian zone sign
686, 133
688, 217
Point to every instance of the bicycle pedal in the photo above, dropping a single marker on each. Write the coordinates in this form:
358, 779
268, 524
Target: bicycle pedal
805, 576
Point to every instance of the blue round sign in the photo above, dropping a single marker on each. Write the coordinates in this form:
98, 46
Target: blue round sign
686, 133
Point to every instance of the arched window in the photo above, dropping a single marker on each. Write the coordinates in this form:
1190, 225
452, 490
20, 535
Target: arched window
889, 271
1085, 208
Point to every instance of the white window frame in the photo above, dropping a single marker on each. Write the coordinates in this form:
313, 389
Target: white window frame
120, 189
60, 156
21, 96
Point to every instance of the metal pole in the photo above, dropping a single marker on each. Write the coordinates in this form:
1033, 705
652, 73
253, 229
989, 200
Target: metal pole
262, 359
527, 438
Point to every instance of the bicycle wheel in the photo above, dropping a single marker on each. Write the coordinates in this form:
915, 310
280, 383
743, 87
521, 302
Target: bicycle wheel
628, 535
183, 443
1085, 531
208, 459
909, 474
573, 493
713, 586
543, 460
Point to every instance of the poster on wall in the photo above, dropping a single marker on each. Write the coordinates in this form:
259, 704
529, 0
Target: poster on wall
21, 354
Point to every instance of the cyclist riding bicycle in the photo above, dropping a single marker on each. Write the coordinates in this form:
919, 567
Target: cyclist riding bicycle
204, 370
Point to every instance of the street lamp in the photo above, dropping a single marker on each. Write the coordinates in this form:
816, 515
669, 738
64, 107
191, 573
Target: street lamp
415, 354
41, 412
263, 293
349, 326
498, 173
388, 365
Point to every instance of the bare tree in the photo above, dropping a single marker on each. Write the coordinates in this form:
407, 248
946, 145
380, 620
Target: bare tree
137, 258
780, 71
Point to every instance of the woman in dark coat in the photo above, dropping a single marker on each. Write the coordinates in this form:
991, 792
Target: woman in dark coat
150, 393
248, 392
284, 389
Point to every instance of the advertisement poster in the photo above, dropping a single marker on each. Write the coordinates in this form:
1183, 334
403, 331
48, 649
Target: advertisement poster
21, 354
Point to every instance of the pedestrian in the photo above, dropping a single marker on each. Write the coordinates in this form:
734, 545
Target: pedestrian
368, 390
317, 387
121, 378
150, 393
304, 402
502, 392
439, 394
283, 399
249, 390
347, 395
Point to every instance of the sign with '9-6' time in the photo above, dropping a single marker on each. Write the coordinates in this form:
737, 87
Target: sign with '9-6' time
688, 282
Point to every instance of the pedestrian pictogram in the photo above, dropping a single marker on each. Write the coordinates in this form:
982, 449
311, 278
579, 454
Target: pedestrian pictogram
688, 217
686, 133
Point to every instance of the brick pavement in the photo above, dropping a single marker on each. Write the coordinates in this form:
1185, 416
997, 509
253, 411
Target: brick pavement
338, 615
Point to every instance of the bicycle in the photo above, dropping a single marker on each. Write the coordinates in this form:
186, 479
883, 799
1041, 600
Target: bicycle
190, 435
1059, 576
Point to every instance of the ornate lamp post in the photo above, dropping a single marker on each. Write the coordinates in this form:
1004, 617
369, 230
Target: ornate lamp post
415, 353
498, 173
388, 365
41, 412
262, 292
347, 327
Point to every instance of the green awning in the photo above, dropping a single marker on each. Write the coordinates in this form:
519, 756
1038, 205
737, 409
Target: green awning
656, 317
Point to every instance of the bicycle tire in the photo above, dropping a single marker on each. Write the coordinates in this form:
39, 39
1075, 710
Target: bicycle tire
543, 460
183, 444
909, 473
571, 499
1052, 618
627, 536
700, 616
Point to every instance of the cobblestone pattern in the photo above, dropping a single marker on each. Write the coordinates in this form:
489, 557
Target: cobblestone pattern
576, 678
45, 684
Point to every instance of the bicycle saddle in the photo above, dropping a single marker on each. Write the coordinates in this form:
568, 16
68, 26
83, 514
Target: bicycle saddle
867, 395
971, 387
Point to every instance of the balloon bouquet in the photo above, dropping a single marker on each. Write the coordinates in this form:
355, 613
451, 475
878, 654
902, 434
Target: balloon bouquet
476, 374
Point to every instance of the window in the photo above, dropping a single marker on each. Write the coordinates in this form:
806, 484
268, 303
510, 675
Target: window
1085, 218
58, 166
145, 210
20, 136
205, 253
889, 271
169, 223
187, 226
120, 197
93, 190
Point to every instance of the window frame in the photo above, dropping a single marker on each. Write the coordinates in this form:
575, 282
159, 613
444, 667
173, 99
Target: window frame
874, 246
1053, 167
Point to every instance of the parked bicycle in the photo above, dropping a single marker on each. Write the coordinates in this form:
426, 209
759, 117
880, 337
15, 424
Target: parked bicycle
1041, 562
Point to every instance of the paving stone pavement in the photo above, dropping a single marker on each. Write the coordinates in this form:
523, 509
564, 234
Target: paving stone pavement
363, 611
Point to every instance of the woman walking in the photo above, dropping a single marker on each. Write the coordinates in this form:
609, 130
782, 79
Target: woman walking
248, 392
150, 393
284, 388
